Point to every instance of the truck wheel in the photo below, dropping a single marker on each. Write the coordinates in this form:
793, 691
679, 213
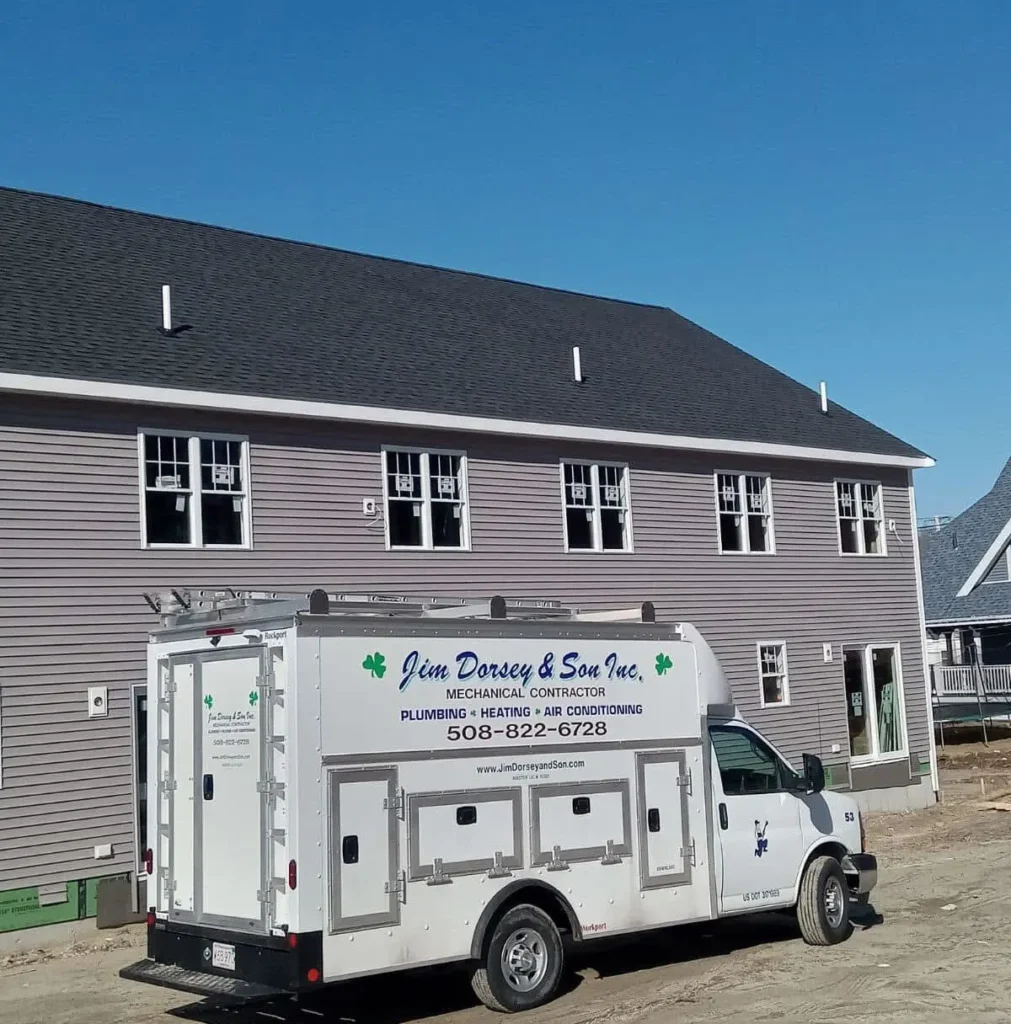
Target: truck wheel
523, 964
823, 906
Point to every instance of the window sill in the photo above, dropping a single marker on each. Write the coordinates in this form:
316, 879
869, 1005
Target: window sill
418, 549
869, 760
748, 554
196, 547
779, 704
599, 551
862, 554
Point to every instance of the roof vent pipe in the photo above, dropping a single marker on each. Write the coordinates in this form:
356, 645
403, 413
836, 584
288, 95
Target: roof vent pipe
166, 308
577, 365
823, 388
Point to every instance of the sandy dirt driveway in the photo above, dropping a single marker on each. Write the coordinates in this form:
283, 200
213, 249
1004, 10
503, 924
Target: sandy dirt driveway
937, 947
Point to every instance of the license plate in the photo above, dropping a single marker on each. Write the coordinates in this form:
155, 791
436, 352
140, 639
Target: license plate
223, 956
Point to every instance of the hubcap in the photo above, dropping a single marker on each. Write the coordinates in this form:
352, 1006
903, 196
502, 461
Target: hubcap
524, 959
835, 905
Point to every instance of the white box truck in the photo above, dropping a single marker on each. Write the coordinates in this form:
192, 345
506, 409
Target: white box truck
347, 786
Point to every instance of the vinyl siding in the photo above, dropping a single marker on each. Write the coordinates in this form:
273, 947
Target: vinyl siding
72, 575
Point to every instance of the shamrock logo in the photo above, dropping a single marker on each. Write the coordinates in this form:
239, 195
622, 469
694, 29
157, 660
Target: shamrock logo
209, 701
376, 664
253, 698
663, 663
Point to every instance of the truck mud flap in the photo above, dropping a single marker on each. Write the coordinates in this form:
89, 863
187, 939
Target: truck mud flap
231, 991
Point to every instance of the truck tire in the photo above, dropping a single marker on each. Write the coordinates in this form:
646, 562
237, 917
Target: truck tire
523, 964
823, 905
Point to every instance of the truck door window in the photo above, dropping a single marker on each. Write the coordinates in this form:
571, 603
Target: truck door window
747, 765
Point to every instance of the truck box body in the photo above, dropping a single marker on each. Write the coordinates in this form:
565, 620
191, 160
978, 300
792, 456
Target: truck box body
343, 793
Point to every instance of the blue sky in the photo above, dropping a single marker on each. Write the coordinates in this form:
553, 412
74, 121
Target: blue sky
825, 185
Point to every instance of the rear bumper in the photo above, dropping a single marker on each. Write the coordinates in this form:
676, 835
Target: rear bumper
182, 956
862, 872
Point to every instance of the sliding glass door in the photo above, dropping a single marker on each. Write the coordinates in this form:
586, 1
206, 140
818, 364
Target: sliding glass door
874, 711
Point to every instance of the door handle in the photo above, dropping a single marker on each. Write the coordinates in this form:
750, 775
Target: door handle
208, 787
653, 819
724, 820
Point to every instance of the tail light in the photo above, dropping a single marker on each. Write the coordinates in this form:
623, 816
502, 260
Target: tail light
292, 874
149, 861
863, 833
151, 918
292, 940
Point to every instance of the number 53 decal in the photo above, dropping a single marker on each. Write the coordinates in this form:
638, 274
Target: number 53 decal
850, 816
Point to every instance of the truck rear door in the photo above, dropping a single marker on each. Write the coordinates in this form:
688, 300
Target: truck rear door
215, 806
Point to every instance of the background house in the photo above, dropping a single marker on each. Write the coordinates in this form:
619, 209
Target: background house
967, 601
288, 417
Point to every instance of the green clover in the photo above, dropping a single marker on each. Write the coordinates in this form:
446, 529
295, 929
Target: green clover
209, 701
663, 663
376, 664
253, 698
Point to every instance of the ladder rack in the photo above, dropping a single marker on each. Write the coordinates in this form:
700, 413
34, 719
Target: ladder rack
180, 607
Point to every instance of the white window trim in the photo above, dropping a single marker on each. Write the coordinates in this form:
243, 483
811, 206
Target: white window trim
785, 702
883, 553
426, 499
876, 757
740, 474
1, 737
194, 437
597, 548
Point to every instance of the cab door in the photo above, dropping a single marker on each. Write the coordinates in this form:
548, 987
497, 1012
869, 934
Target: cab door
757, 821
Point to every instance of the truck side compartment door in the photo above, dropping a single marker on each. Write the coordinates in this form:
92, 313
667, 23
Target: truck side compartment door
757, 821
664, 830
364, 862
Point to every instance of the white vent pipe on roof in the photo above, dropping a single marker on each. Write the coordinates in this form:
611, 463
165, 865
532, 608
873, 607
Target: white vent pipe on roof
577, 365
823, 388
166, 308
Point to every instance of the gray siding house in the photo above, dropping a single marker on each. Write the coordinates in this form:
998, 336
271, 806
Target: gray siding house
284, 416
967, 603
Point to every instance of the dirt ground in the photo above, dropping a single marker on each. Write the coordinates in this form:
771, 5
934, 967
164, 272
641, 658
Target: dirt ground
935, 947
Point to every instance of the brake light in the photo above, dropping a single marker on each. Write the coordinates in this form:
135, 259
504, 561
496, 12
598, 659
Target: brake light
151, 919
292, 940
292, 874
863, 833
312, 974
149, 861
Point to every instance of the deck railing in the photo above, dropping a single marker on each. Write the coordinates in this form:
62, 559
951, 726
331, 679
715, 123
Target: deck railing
964, 681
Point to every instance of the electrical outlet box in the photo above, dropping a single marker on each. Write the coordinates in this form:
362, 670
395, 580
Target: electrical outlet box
369, 508
98, 701
836, 747
826, 652
103, 851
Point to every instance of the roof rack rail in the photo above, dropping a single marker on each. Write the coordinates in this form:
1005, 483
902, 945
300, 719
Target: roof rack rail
179, 606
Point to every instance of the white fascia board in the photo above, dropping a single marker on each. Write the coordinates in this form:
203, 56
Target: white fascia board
60, 387
986, 562
1000, 620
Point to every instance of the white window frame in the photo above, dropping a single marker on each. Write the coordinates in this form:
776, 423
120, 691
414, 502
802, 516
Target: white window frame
194, 437
426, 498
871, 704
785, 702
862, 553
743, 491
1, 737
626, 480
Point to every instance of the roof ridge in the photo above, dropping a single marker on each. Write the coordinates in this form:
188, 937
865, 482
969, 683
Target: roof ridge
332, 248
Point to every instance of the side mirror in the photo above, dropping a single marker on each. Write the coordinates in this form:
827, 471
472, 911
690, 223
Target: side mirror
814, 773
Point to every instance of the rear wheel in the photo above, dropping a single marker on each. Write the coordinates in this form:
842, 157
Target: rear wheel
823, 906
523, 964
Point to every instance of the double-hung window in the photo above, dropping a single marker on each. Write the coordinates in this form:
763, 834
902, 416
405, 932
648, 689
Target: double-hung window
773, 675
597, 516
874, 710
195, 490
860, 512
426, 499
744, 507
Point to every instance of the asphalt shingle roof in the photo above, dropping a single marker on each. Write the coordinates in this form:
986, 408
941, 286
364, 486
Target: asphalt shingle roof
949, 555
80, 297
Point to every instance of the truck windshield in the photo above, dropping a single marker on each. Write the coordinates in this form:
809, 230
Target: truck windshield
748, 765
